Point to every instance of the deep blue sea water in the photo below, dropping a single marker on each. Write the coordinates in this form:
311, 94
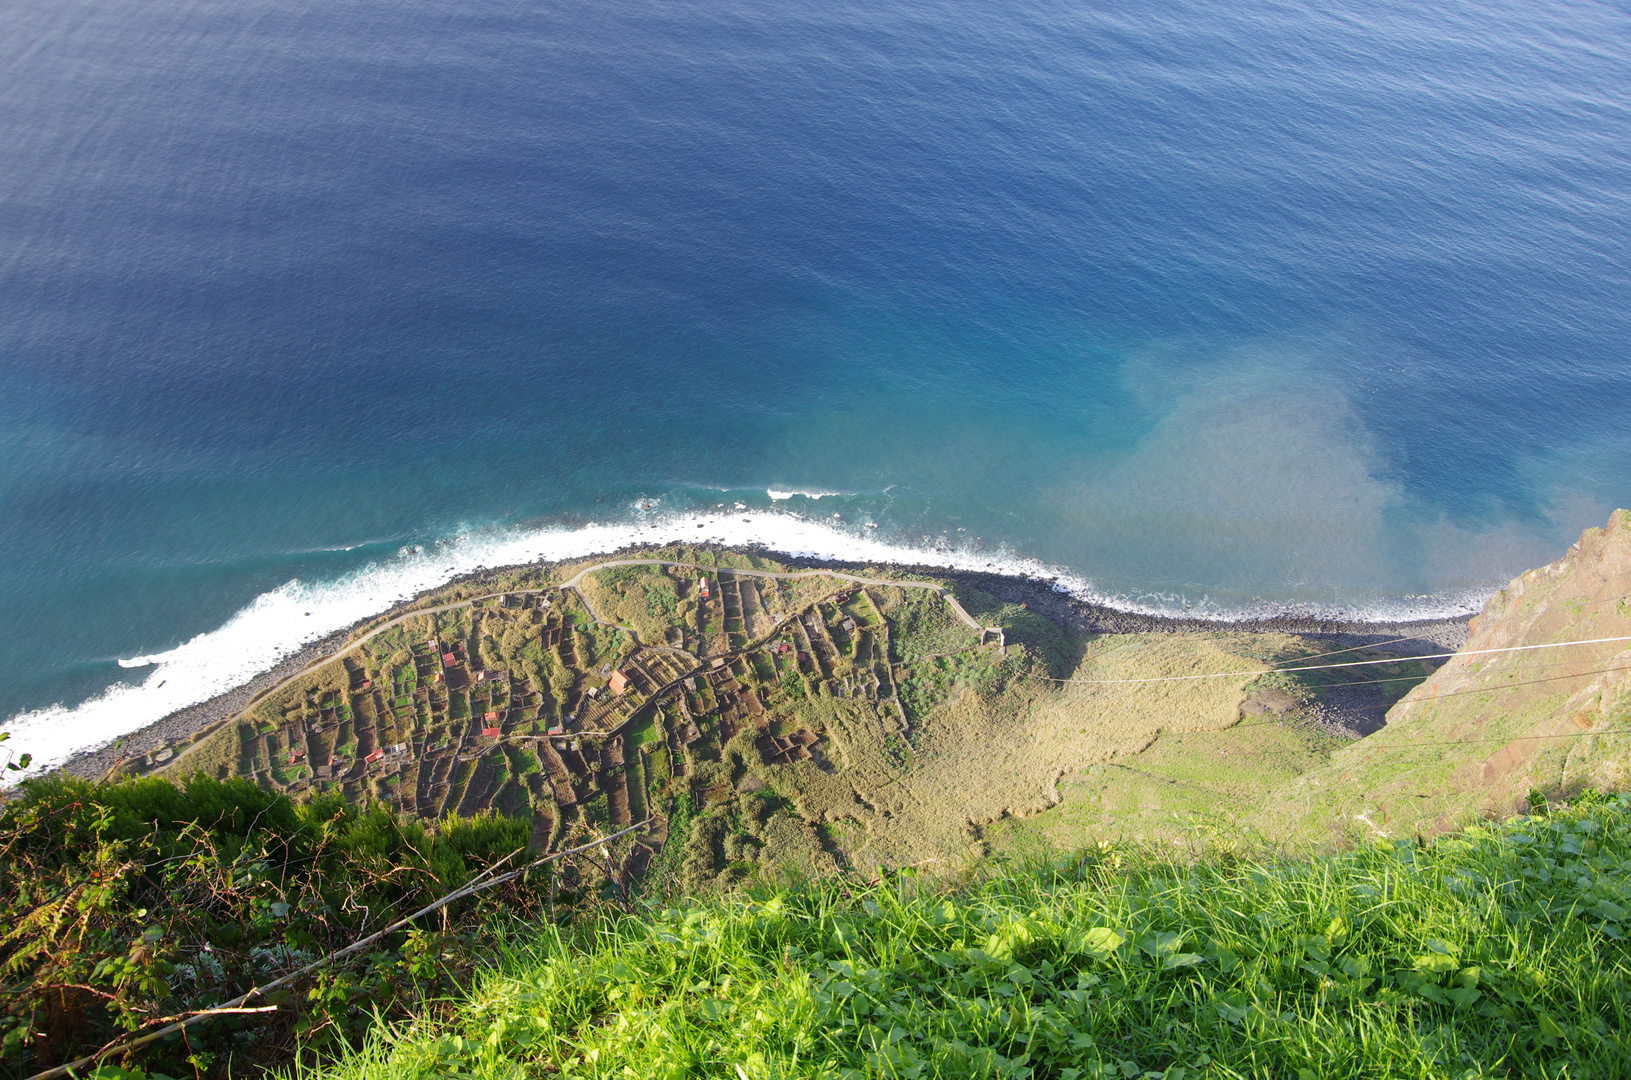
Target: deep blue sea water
1227, 305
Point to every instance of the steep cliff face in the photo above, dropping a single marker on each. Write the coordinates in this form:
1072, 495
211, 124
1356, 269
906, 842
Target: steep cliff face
1586, 590
1551, 714
1569, 701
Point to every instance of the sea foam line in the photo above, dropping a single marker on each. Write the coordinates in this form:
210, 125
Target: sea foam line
280, 622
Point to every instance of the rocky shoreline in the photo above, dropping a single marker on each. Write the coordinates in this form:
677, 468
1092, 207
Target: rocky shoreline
184, 723
1418, 638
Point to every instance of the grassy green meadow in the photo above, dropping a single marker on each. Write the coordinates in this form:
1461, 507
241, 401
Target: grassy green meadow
1495, 951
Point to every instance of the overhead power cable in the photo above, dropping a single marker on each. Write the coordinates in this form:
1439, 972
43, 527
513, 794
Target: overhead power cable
1450, 694
1355, 648
1405, 744
1423, 678
1527, 682
1331, 667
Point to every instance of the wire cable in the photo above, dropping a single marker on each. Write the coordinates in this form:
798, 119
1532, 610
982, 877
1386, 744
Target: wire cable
1429, 675
1453, 693
1330, 667
1339, 652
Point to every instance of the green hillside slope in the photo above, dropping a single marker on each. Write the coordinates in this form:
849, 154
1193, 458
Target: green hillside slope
1520, 708
1497, 951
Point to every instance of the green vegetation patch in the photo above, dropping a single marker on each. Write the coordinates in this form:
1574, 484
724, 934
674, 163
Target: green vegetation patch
641, 734
522, 762
1057, 648
1496, 951
1181, 786
662, 875
642, 597
921, 624
129, 902
927, 683
600, 645
657, 767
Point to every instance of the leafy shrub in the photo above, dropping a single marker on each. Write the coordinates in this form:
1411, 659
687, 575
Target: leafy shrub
124, 906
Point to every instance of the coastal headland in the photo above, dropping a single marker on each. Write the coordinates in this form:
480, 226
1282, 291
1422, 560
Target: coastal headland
765, 712
1035, 592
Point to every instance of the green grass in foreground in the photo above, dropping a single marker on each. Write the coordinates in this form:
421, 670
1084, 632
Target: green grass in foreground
1497, 951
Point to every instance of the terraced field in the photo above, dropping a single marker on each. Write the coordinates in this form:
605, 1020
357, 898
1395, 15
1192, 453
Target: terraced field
756, 721
589, 705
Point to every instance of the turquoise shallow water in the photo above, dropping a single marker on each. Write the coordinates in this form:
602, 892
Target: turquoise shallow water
1257, 306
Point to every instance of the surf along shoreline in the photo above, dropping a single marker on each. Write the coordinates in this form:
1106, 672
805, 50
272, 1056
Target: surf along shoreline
1421, 636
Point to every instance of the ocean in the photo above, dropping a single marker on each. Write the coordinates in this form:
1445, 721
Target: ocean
306, 306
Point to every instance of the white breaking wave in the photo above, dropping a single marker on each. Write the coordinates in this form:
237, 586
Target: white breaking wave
783, 496
279, 623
